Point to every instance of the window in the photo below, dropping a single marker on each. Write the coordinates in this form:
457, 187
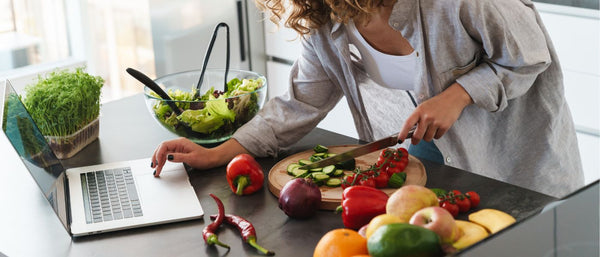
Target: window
32, 32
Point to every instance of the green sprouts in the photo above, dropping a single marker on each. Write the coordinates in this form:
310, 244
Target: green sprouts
64, 101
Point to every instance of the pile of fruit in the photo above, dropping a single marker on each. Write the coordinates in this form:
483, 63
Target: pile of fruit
410, 222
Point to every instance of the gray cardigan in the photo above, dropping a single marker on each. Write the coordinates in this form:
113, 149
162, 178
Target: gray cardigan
519, 130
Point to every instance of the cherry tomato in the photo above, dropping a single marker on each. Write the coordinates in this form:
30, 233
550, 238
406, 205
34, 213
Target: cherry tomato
381, 180
367, 181
383, 161
464, 205
473, 198
450, 207
456, 192
348, 181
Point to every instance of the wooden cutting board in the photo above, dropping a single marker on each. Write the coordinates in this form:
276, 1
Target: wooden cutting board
331, 197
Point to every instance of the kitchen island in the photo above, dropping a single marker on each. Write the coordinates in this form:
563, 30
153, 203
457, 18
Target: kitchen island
127, 131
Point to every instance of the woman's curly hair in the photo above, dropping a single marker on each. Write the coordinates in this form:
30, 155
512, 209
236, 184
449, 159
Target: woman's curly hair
304, 15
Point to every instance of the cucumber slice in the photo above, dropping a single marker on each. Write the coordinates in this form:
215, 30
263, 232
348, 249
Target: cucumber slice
291, 167
316, 170
329, 170
319, 177
320, 149
333, 182
338, 172
299, 173
303, 162
314, 158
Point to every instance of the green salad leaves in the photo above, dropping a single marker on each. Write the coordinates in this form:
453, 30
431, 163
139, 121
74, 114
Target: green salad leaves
64, 101
215, 113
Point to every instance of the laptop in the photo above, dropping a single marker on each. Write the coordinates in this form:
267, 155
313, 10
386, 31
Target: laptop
99, 198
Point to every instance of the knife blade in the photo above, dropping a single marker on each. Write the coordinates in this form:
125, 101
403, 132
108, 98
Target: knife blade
358, 151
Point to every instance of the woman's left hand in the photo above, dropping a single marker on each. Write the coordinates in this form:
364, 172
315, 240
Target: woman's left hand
435, 116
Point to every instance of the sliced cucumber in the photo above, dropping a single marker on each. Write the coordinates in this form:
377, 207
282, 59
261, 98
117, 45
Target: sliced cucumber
291, 167
316, 170
319, 177
329, 170
299, 173
314, 158
338, 172
333, 182
320, 149
303, 162
322, 155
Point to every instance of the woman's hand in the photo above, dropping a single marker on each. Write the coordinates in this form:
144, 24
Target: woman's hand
194, 155
435, 116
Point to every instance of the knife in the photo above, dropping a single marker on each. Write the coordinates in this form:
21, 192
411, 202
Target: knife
358, 151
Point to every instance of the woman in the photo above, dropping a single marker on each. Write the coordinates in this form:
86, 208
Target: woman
487, 82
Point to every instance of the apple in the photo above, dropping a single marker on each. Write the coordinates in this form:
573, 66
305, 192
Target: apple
438, 220
408, 199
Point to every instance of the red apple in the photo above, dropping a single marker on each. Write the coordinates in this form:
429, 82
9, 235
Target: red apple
438, 220
407, 200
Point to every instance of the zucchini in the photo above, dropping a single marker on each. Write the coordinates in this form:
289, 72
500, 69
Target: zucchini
329, 170
333, 182
320, 149
291, 167
299, 173
303, 162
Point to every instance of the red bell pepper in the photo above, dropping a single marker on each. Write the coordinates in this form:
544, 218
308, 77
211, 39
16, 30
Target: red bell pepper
244, 175
360, 204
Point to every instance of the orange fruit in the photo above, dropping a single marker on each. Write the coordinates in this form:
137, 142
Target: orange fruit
341, 242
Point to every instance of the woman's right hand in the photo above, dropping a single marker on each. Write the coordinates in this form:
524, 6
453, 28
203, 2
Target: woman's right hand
194, 155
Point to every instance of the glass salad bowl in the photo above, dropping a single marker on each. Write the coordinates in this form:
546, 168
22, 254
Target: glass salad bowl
213, 114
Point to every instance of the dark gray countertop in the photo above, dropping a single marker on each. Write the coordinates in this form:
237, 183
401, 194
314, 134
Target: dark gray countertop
127, 131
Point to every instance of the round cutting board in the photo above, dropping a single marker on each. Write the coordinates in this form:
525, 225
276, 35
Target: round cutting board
331, 197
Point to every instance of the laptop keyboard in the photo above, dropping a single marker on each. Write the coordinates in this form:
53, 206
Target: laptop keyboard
110, 195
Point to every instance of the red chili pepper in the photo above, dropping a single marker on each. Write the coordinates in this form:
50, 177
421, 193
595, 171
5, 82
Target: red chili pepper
360, 204
246, 229
209, 231
244, 175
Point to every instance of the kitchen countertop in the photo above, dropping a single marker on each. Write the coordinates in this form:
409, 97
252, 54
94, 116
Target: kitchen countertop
127, 131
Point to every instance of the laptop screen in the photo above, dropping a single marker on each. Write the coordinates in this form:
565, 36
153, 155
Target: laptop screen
36, 154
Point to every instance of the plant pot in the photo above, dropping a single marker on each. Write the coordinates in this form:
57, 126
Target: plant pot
65, 147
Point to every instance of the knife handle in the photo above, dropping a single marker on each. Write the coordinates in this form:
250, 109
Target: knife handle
409, 135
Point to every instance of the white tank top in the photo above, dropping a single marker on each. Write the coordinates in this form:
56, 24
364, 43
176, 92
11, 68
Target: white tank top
392, 71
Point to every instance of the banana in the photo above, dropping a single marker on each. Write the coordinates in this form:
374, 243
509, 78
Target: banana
491, 219
470, 233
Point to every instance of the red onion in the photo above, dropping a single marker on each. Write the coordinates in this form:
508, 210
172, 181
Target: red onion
300, 198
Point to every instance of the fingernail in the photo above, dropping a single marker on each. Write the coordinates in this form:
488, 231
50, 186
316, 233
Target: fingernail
154, 173
152, 165
169, 157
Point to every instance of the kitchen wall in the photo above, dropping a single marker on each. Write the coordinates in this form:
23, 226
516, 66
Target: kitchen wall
575, 33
